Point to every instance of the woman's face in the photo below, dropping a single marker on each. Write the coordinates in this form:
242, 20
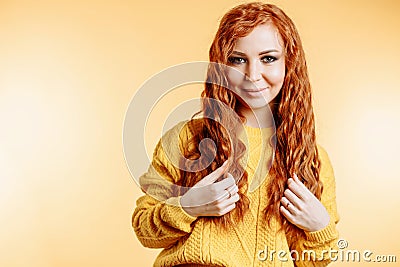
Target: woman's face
258, 67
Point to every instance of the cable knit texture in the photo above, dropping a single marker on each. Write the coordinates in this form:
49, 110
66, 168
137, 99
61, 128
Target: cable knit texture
160, 222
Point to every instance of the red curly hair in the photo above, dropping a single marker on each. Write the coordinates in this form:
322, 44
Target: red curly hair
296, 149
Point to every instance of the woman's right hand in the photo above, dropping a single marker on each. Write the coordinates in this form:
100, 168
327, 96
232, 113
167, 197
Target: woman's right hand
207, 198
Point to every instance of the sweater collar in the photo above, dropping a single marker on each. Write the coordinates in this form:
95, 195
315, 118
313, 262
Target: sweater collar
257, 132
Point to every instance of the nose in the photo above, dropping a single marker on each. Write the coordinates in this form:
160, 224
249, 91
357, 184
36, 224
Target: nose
253, 71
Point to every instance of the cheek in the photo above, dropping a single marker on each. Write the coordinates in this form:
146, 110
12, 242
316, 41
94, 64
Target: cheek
276, 75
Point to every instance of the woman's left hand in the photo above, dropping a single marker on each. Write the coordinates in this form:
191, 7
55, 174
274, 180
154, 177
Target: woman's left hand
302, 208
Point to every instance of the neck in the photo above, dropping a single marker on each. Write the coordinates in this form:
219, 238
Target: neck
258, 118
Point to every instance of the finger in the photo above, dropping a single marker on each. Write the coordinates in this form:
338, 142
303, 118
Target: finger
215, 192
306, 191
234, 198
229, 208
224, 184
212, 177
285, 202
227, 194
224, 201
298, 181
287, 214
233, 189
292, 198
225, 210
296, 188
288, 206
230, 175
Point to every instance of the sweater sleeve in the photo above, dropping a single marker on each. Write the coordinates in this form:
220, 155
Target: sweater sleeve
158, 219
314, 249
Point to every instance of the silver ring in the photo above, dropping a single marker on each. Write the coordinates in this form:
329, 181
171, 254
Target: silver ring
287, 205
229, 192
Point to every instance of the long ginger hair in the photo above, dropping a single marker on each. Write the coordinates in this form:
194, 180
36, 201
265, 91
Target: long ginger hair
296, 149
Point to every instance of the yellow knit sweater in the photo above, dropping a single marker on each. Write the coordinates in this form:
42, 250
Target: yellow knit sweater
161, 223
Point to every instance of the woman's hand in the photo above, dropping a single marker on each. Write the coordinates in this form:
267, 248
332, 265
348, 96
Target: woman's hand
207, 198
302, 208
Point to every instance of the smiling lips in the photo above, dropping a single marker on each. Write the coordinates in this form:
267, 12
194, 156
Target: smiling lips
254, 90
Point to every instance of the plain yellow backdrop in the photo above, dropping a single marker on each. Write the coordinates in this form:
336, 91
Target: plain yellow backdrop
68, 70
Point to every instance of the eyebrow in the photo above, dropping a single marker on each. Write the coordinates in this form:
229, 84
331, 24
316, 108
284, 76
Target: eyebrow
261, 53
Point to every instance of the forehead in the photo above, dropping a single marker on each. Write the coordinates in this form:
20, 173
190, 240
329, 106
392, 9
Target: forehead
262, 37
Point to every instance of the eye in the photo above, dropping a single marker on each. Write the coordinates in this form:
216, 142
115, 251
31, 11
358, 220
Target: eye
268, 59
236, 60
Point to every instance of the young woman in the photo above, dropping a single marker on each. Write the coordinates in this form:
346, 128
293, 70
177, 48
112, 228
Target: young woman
265, 201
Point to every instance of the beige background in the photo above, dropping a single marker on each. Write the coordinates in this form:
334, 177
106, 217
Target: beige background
69, 69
